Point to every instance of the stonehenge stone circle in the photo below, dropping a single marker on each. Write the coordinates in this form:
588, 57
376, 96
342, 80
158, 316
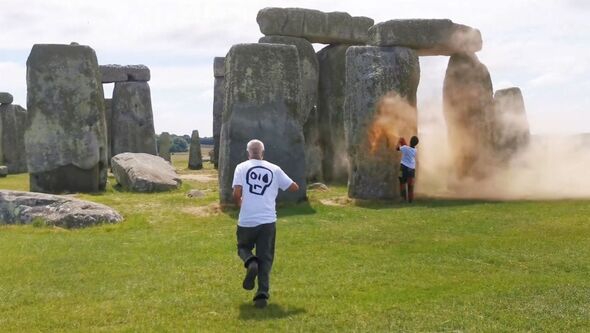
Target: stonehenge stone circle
195, 159
18, 207
263, 101
427, 37
331, 92
314, 25
218, 97
6, 98
132, 124
468, 110
13, 121
118, 73
164, 145
511, 128
381, 84
139, 172
65, 136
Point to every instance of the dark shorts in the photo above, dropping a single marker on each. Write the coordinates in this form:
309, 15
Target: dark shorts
406, 173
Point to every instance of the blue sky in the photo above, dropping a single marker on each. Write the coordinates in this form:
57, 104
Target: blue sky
541, 46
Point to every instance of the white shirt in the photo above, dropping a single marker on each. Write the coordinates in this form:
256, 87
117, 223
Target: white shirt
408, 156
260, 181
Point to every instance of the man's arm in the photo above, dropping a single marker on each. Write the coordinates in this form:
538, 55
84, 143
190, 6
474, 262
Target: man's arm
238, 195
401, 142
293, 188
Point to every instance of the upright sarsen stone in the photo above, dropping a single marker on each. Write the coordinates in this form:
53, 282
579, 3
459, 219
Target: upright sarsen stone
65, 138
468, 111
164, 144
380, 106
132, 119
263, 87
331, 90
195, 159
13, 120
218, 97
511, 128
309, 68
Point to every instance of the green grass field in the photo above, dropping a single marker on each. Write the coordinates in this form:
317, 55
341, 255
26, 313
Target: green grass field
434, 266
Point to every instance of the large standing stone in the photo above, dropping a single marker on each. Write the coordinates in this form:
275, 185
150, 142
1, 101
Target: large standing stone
511, 128
133, 122
309, 68
263, 87
26, 207
468, 110
139, 172
380, 107
108, 113
164, 144
118, 73
332, 61
218, 98
65, 137
427, 37
314, 25
13, 121
195, 159
6, 98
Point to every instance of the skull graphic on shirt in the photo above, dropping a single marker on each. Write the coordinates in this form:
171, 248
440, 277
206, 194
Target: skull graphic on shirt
259, 179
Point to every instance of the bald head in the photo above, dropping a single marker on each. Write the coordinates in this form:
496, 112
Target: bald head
255, 149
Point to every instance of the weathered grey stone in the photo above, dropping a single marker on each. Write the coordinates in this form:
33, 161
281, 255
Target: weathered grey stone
132, 119
314, 25
3, 171
380, 107
468, 110
108, 115
118, 73
427, 37
308, 67
263, 101
318, 186
195, 159
218, 98
164, 144
219, 66
313, 148
6, 98
195, 194
65, 137
332, 61
511, 128
13, 121
26, 207
139, 172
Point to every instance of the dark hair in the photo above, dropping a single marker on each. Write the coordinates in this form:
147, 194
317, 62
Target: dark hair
414, 141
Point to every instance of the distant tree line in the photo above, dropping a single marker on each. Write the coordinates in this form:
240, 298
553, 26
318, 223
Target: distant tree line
181, 143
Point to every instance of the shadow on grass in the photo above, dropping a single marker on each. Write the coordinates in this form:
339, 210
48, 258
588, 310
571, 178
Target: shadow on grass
272, 311
283, 209
426, 202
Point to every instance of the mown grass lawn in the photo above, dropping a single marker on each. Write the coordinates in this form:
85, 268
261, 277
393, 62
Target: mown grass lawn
171, 266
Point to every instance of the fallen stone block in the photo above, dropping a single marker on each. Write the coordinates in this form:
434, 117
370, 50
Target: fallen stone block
139, 172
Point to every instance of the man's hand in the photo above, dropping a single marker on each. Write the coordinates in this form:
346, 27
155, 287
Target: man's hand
293, 188
238, 195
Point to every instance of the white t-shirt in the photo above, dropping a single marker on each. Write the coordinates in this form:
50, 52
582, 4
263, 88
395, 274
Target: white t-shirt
408, 156
260, 181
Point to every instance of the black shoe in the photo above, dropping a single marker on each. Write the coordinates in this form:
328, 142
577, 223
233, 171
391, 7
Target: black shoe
251, 273
260, 301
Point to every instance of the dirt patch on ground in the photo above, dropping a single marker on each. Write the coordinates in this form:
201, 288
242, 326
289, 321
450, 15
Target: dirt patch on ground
209, 210
337, 201
200, 178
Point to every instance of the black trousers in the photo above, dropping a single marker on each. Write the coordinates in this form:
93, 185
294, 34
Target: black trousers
262, 238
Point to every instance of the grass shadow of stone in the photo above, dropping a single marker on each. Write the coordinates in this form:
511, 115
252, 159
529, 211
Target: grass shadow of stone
283, 209
272, 311
426, 202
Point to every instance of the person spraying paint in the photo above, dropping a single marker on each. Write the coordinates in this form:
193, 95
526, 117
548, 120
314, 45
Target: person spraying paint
407, 167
